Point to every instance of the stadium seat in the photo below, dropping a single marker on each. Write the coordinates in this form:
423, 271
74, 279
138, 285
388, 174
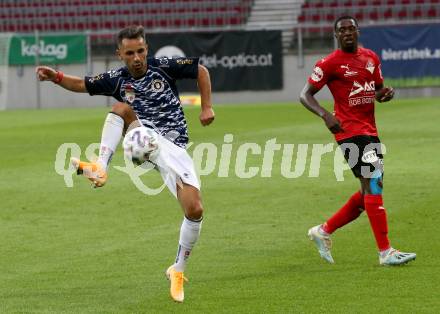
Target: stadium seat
432, 12
403, 14
388, 13
359, 15
374, 15
417, 14
93, 13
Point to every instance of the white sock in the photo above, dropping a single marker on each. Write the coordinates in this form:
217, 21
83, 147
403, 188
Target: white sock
189, 234
111, 135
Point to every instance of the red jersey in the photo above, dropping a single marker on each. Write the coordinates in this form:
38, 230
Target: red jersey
351, 78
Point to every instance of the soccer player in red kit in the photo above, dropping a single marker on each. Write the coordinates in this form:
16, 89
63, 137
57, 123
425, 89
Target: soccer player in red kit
354, 78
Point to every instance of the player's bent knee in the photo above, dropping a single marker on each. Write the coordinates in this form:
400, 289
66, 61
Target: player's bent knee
125, 112
376, 183
120, 108
195, 211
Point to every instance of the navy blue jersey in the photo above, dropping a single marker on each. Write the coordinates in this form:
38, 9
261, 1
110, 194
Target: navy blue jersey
153, 97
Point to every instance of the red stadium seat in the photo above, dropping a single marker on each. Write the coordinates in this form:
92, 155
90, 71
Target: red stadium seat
403, 14
417, 13
388, 14
330, 17
85, 14
359, 15
432, 12
374, 15
316, 18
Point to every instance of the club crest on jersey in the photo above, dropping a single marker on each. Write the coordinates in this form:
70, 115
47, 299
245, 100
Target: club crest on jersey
157, 86
347, 71
317, 74
370, 66
129, 93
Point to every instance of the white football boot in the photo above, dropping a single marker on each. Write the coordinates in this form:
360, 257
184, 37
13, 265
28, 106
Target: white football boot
395, 258
323, 243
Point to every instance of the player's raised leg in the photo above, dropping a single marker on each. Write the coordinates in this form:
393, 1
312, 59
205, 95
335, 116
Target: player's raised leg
116, 122
322, 241
190, 200
346, 214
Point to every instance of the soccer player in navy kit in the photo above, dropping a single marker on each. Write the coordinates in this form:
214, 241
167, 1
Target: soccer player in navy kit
355, 80
146, 91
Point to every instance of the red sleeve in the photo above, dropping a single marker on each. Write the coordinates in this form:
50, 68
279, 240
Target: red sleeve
377, 74
321, 73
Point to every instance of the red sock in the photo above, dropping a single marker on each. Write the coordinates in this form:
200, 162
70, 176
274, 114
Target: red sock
349, 212
378, 220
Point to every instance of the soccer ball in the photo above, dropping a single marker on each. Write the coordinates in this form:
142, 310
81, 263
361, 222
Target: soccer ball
141, 144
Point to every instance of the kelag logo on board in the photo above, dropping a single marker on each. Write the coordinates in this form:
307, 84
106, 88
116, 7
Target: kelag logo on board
45, 50
51, 49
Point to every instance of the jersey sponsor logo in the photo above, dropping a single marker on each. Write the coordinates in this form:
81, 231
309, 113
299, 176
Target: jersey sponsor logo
184, 61
370, 157
157, 86
356, 101
358, 88
129, 93
317, 74
347, 71
163, 61
114, 73
370, 66
96, 78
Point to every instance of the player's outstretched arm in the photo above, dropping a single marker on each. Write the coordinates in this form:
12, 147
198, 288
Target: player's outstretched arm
69, 82
204, 82
309, 101
384, 94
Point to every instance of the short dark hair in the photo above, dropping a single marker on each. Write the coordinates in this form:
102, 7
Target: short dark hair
345, 17
131, 32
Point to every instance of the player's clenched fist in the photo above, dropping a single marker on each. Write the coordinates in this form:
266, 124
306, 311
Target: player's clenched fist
207, 116
45, 73
385, 94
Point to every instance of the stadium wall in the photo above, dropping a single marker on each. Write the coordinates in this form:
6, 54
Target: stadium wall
22, 87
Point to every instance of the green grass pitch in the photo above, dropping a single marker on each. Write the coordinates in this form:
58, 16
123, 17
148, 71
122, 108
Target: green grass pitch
80, 250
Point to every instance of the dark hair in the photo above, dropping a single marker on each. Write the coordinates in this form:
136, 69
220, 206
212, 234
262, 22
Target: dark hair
131, 32
345, 17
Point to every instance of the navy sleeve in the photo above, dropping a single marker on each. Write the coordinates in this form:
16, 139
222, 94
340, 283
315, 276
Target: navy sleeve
104, 84
179, 68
